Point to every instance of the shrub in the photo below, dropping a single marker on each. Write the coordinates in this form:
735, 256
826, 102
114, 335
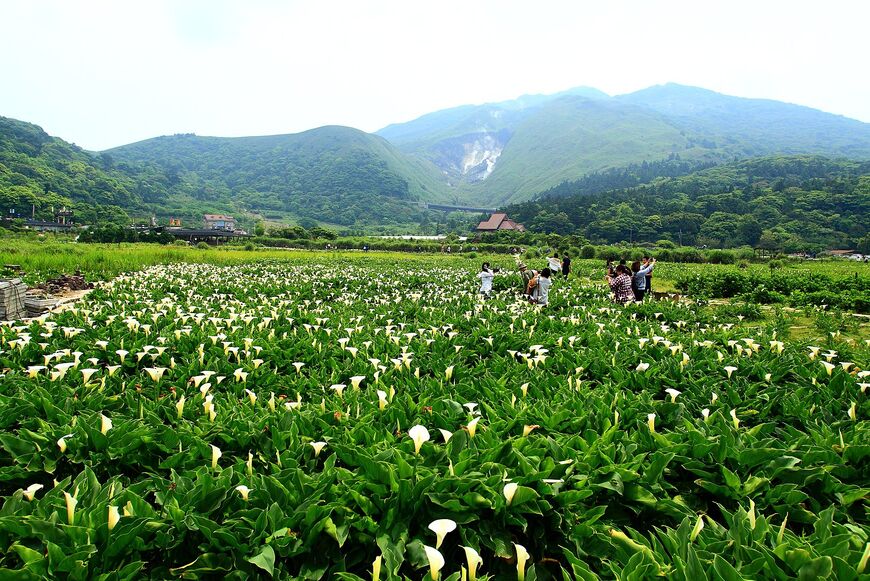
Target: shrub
587, 251
720, 257
203, 246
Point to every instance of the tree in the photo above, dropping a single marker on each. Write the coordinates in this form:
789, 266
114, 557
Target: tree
260, 228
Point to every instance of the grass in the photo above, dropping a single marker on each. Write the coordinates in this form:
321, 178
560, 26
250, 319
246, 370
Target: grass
41, 259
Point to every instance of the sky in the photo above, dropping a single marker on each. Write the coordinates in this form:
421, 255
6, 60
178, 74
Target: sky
104, 73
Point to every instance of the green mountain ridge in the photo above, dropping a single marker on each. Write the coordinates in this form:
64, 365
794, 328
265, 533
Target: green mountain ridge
475, 155
337, 175
563, 137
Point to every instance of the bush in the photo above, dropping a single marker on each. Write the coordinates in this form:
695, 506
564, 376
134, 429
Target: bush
250, 246
775, 264
763, 296
180, 243
587, 251
203, 246
720, 257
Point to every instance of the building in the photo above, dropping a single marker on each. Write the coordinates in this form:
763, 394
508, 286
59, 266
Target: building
219, 222
499, 221
175, 222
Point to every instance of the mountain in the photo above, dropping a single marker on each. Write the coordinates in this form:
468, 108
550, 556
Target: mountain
511, 151
475, 155
39, 172
755, 126
336, 175
790, 203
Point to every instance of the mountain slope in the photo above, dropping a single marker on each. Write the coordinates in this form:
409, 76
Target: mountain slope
337, 175
789, 203
38, 172
756, 126
511, 151
465, 142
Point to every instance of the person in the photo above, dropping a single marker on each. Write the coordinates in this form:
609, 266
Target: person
526, 274
554, 263
541, 293
566, 266
485, 275
621, 285
639, 278
646, 262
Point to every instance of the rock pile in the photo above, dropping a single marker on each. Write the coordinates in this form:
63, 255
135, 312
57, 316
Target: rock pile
65, 283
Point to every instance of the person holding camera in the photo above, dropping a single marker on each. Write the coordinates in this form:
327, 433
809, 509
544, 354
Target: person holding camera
486, 275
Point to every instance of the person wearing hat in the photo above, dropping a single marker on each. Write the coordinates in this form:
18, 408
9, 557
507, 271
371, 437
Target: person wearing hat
526, 275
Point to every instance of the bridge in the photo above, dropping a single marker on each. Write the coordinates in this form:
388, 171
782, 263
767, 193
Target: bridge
449, 208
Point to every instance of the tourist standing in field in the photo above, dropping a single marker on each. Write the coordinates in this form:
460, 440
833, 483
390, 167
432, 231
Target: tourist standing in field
527, 275
621, 285
639, 278
566, 266
485, 275
541, 294
554, 263
646, 262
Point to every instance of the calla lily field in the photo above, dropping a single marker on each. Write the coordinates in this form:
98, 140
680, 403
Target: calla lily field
379, 419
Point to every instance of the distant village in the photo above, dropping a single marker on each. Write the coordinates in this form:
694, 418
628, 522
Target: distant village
214, 229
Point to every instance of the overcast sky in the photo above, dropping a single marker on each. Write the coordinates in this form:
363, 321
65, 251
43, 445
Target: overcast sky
108, 72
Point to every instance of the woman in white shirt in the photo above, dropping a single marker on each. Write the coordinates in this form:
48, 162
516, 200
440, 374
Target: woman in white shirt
541, 294
554, 263
485, 275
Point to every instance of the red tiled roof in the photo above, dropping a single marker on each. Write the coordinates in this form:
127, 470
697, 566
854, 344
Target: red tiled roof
493, 222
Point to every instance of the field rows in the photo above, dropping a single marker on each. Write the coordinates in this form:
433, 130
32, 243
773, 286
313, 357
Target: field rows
312, 421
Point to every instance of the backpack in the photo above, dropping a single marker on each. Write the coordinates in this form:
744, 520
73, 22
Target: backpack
533, 284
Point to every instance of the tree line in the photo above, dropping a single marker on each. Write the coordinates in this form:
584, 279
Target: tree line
779, 203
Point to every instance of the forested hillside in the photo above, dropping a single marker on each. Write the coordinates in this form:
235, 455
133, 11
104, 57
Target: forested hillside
38, 172
337, 175
781, 203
